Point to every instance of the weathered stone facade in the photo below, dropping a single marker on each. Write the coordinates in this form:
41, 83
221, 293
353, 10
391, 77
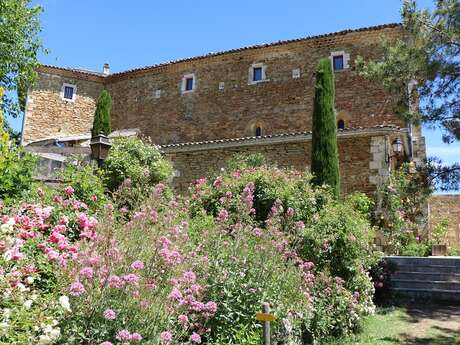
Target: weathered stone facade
200, 128
224, 103
446, 207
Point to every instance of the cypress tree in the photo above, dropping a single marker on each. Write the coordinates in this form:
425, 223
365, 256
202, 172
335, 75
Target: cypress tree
324, 155
101, 122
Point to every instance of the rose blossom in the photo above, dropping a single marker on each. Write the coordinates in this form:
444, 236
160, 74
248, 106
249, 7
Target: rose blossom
77, 289
137, 265
195, 338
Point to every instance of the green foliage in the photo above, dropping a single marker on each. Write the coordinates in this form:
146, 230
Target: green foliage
137, 165
400, 209
86, 180
291, 188
428, 54
325, 159
134, 159
415, 248
16, 169
242, 160
19, 47
440, 231
337, 242
101, 123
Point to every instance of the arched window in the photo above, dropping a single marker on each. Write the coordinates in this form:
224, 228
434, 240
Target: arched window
341, 124
258, 132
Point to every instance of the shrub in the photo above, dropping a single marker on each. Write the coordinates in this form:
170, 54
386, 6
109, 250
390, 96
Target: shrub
16, 170
86, 180
137, 164
399, 210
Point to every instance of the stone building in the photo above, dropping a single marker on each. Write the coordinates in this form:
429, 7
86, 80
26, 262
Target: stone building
204, 109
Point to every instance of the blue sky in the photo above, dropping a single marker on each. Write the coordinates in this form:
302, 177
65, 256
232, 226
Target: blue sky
128, 34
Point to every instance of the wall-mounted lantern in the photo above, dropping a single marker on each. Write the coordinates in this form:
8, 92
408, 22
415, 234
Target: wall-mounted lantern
100, 147
397, 147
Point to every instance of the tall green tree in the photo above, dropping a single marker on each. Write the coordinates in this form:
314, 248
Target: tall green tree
428, 53
101, 122
324, 157
19, 47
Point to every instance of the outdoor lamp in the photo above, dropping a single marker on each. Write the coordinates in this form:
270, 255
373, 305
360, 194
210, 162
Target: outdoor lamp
397, 146
100, 146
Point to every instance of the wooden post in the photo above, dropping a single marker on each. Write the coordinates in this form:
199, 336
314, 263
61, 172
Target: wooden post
266, 317
266, 330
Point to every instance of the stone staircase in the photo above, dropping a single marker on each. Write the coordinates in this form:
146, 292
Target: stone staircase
434, 278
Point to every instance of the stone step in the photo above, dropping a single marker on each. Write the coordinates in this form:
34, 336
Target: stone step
427, 276
429, 294
425, 261
428, 269
425, 284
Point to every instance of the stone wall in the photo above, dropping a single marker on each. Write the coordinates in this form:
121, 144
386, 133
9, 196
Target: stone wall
360, 169
446, 207
224, 104
152, 100
50, 116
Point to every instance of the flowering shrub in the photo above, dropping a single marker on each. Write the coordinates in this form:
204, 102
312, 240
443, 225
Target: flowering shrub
191, 270
136, 164
399, 211
36, 241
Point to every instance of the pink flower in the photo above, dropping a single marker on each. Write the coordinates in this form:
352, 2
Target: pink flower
137, 265
257, 232
106, 343
77, 289
151, 284
132, 279
109, 314
116, 282
211, 307
183, 319
166, 337
189, 277
195, 338
87, 272
94, 198
223, 215
69, 190
123, 335
290, 212
175, 294
217, 182
136, 337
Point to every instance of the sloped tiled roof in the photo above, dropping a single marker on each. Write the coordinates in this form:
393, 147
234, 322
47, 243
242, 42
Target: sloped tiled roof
195, 58
281, 136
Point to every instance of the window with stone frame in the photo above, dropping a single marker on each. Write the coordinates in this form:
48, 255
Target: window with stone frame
68, 92
257, 73
188, 83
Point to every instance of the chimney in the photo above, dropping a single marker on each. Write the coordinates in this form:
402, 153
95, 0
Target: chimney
106, 69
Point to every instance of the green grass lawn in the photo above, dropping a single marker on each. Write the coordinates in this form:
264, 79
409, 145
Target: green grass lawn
410, 325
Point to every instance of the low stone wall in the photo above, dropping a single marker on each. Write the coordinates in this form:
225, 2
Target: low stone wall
446, 207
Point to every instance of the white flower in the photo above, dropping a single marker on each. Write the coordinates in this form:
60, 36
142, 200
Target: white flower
44, 339
55, 333
6, 228
21, 287
11, 221
28, 304
6, 313
29, 280
65, 304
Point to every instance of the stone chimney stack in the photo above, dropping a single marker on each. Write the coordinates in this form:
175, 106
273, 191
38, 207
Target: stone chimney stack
106, 69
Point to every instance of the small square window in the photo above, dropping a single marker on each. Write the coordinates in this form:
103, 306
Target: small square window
338, 62
189, 84
257, 74
68, 92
